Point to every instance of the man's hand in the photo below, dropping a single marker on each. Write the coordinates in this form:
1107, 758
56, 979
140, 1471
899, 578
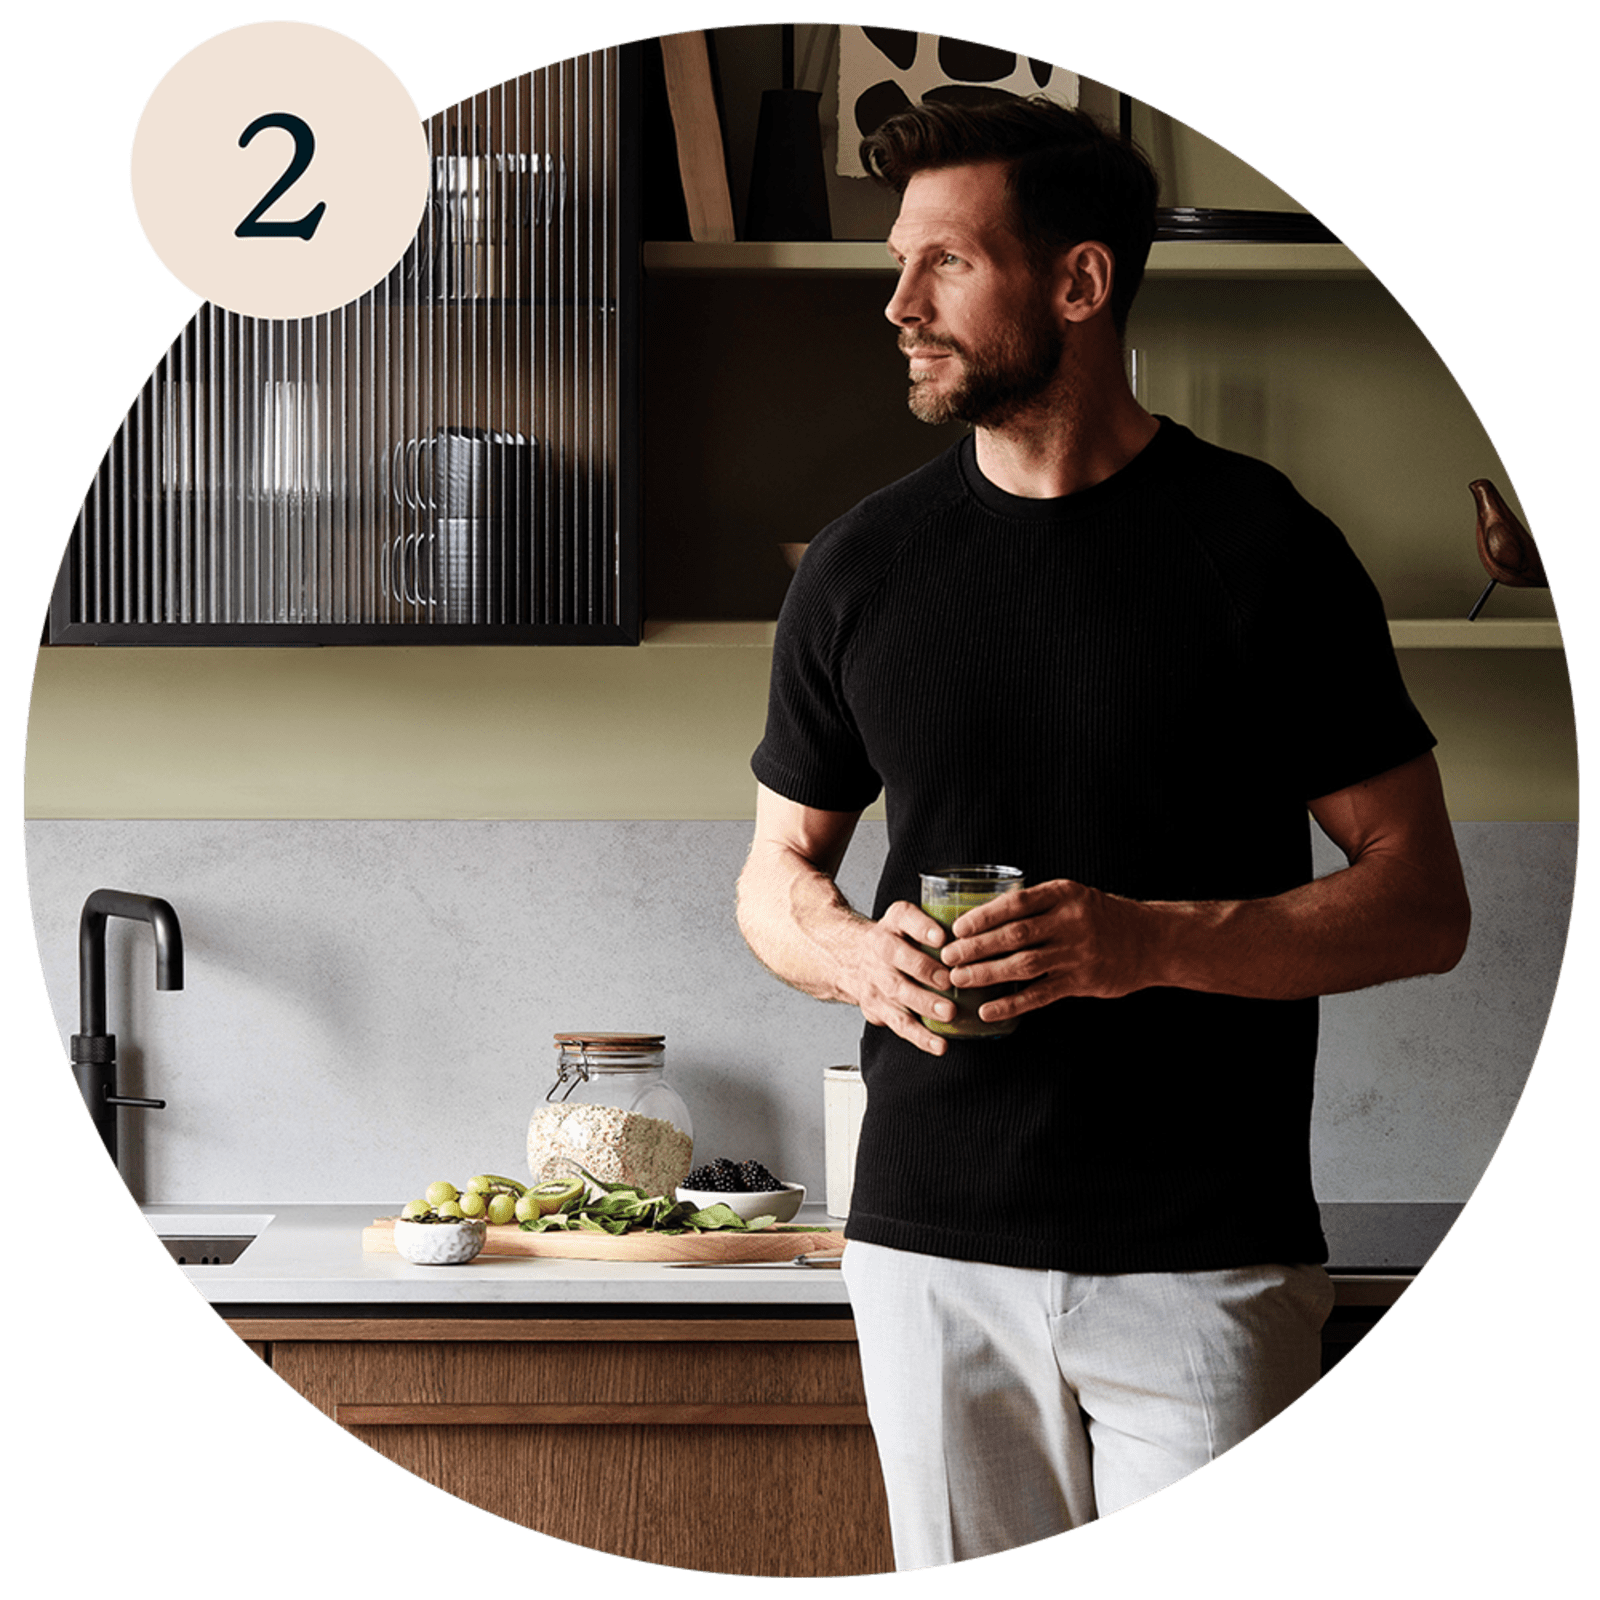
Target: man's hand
1056, 939
797, 922
890, 978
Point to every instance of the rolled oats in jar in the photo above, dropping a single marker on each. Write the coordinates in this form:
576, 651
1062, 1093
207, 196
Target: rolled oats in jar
611, 1112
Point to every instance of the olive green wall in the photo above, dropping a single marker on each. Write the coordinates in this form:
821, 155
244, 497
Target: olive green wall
662, 731
547, 732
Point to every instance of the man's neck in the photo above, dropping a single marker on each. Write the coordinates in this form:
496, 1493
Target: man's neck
1065, 445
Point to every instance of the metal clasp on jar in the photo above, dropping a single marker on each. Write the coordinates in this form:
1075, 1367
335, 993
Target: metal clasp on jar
570, 1070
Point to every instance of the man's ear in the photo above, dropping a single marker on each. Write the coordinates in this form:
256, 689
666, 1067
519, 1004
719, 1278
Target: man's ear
1084, 277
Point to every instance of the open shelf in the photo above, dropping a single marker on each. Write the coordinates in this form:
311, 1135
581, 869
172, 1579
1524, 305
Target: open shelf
1174, 258
1487, 633
724, 635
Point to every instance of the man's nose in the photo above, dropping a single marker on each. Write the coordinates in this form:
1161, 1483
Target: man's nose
908, 304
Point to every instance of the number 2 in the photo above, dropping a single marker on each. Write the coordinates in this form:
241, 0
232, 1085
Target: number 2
305, 145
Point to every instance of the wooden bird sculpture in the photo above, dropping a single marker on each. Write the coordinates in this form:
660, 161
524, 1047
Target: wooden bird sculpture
1505, 547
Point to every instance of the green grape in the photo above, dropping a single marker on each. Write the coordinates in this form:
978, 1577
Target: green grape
526, 1209
449, 1208
440, 1192
478, 1185
473, 1204
415, 1208
502, 1208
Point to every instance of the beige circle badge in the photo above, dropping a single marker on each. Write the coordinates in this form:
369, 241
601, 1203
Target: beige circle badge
280, 170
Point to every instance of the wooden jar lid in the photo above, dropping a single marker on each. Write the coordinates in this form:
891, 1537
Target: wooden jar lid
612, 1042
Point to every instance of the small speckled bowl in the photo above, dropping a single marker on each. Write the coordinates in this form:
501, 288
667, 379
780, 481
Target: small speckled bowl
439, 1244
779, 1204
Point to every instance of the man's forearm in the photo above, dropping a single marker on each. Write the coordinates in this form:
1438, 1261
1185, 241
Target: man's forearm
1372, 922
797, 922
1399, 909
1376, 920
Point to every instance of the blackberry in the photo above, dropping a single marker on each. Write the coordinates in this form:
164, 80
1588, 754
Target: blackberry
754, 1178
732, 1177
717, 1177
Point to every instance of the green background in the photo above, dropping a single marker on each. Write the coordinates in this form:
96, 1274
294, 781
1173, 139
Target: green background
1447, 146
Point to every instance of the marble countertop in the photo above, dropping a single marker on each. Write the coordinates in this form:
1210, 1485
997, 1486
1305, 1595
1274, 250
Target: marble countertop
310, 1256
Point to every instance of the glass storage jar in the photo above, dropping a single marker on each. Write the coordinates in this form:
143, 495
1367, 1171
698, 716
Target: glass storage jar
612, 1113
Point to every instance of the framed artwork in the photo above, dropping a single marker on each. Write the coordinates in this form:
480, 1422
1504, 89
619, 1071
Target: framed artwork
885, 70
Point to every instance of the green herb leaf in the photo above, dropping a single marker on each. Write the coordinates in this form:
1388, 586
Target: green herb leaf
720, 1215
603, 1186
623, 1208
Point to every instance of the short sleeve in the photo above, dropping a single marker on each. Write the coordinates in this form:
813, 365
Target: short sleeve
812, 752
1330, 666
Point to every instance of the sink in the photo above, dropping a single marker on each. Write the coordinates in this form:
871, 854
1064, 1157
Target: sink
208, 1238
195, 1250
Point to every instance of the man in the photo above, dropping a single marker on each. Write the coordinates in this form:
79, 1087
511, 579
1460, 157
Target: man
1084, 1258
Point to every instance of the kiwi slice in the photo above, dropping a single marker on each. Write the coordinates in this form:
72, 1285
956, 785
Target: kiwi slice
556, 1193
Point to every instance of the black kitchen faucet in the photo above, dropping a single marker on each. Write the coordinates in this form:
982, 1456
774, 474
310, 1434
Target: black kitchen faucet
94, 1051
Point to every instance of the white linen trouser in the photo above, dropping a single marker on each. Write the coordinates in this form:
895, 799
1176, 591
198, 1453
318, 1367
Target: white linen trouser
1010, 1404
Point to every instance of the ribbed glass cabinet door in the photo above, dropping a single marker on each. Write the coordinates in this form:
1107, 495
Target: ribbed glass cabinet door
450, 459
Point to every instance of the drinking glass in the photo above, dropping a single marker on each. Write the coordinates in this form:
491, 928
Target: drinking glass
945, 895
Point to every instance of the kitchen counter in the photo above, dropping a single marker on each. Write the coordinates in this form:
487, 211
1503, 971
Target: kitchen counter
311, 1256
666, 1389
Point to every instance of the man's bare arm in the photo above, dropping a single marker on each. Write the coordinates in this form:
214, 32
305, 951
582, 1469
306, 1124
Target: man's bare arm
1397, 910
802, 928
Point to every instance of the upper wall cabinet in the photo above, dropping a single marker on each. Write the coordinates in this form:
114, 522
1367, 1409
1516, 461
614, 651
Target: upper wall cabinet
449, 459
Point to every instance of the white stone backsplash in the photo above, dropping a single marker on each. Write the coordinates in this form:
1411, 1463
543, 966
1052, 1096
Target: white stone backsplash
370, 1005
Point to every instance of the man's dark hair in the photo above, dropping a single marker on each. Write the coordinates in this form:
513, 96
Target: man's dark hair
1069, 178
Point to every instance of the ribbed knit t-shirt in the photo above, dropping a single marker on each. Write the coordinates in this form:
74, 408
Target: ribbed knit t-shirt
1139, 686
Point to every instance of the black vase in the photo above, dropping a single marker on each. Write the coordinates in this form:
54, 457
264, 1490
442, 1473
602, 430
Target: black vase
788, 189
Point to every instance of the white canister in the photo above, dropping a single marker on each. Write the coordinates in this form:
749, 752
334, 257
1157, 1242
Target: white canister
844, 1099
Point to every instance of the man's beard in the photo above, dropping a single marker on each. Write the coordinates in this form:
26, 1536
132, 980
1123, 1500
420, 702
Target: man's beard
996, 383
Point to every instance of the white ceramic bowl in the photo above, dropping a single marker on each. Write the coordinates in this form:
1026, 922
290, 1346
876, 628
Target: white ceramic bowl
440, 1244
780, 1204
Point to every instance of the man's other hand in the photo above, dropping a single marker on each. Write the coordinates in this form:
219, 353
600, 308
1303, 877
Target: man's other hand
1055, 939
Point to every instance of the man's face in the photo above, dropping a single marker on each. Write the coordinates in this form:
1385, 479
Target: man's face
976, 322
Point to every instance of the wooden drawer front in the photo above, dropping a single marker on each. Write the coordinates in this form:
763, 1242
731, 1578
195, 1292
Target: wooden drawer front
750, 1458
571, 1374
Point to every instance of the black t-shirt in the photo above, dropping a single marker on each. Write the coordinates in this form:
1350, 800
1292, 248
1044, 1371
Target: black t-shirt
1139, 686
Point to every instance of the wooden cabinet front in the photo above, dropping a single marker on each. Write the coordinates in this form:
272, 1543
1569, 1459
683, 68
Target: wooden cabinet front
726, 1446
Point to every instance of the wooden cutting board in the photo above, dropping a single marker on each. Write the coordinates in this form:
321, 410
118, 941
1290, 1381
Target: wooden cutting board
507, 1239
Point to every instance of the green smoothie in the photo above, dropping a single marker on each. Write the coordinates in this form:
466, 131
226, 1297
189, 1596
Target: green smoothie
945, 895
